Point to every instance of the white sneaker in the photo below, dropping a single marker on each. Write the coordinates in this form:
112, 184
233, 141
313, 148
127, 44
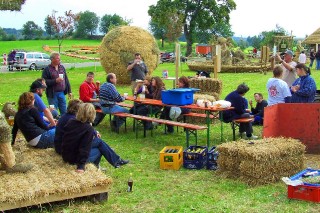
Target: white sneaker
242, 134
253, 137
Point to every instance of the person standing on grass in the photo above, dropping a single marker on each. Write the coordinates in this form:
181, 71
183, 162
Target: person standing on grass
289, 67
57, 82
302, 58
109, 97
29, 122
138, 70
278, 90
240, 111
304, 89
99, 148
312, 57
258, 111
317, 56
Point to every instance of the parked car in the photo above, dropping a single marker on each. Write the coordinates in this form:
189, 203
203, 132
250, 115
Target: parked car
31, 60
170, 57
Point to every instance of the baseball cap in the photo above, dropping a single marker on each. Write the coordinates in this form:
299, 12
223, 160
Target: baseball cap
289, 52
37, 85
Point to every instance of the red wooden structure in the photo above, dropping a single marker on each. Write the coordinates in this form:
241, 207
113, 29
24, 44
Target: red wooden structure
203, 49
300, 121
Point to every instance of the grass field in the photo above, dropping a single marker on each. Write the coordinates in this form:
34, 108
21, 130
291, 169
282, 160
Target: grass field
157, 190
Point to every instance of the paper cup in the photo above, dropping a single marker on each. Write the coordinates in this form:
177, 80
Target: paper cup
142, 96
60, 75
125, 95
51, 106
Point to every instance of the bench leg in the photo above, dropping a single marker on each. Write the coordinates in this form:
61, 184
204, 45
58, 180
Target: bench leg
233, 125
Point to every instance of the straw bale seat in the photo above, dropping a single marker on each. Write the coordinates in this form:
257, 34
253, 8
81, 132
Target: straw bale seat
262, 161
236, 122
50, 180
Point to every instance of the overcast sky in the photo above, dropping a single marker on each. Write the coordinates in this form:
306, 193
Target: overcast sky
250, 18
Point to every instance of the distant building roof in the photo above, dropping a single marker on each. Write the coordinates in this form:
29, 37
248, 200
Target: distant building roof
314, 38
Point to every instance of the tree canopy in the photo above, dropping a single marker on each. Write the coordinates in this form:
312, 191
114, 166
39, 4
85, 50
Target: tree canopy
193, 16
109, 21
87, 24
31, 30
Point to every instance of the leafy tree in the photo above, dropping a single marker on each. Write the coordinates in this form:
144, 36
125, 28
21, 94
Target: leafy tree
3, 34
87, 24
31, 30
110, 21
158, 32
63, 25
48, 27
195, 15
268, 36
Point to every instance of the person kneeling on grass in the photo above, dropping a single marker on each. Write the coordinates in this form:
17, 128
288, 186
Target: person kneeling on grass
77, 145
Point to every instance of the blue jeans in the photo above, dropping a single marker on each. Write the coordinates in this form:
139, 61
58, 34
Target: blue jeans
46, 139
100, 148
318, 64
114, 109
59, 102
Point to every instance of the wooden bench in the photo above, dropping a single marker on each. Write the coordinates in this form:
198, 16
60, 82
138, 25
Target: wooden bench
236, 122
190, 128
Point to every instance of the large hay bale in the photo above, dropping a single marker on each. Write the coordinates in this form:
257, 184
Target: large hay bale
263, 161
119, 46
208, 86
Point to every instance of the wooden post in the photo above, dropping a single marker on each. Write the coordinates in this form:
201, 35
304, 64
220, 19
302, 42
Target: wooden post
216, 60
177, 63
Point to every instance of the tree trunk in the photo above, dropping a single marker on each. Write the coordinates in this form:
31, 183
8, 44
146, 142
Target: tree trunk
162, 42
189, 39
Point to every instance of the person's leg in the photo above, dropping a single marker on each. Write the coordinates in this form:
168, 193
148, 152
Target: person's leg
114, 109
94, 156
106, 151
61, 102
246, 127
46, 139
311, 63
166, 115
133, 86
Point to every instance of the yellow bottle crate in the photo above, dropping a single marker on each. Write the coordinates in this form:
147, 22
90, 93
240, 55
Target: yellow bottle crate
171, 157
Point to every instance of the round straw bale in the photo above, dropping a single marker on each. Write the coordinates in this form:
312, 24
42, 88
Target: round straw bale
119, 46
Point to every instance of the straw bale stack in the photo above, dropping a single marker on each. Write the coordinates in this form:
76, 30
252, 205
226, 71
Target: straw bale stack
50, 175
8, 109
207, 86
119, 46
264, 161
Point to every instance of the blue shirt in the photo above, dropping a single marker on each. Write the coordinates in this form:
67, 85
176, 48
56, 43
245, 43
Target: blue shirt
38, 103
306, 92
109, 94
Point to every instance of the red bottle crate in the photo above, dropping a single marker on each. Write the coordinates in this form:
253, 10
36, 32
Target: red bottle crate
304, 192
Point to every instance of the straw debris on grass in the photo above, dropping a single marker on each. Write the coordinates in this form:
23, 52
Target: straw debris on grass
264, 161
49, 175
119, 46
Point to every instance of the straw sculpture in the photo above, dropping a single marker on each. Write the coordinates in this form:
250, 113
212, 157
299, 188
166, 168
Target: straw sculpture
261, 161
119, 46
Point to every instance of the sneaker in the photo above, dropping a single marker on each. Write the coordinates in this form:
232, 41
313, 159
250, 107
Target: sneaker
102, 169
242, 134
253, 137
121, 162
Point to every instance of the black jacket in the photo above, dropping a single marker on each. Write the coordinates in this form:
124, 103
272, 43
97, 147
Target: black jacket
76, 142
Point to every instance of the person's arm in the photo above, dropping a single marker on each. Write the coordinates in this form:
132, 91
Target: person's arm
85, 148
131, 65
68, 86
307, 88
38, 120
84, 93
116, 95
46, 75
48, 115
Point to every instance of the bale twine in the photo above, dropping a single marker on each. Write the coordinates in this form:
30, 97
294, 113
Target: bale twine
264, 161
119, 46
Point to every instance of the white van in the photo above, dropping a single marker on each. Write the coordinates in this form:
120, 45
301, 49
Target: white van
32, 60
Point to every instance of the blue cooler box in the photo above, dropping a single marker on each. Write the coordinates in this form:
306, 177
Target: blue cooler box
180, 96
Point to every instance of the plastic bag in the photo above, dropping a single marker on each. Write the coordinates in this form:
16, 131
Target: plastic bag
174, 112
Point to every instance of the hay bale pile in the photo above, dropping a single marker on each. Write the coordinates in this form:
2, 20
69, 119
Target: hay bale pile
50, 175
119, 46
207, 86
265, 161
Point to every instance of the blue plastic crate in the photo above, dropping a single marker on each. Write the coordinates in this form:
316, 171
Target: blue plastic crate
212, 158
195, 160
303, 173
180, 96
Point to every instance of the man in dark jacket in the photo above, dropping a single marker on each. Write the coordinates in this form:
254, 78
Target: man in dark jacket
240, 110
57, 82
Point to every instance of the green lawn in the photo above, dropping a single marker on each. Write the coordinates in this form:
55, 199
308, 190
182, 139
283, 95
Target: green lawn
157, 190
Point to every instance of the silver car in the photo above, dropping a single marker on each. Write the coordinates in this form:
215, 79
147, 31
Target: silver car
31, 60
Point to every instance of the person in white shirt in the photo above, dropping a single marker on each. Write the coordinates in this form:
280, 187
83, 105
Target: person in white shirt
278, 90
288, 66
302, 58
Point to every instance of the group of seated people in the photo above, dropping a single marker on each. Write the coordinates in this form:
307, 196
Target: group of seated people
72, 136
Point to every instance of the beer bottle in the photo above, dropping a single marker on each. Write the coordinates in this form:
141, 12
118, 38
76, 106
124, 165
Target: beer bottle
130, 183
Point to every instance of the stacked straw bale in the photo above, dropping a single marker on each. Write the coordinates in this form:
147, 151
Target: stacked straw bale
119, 46
208, 66
264, 161
50, 175
207, 86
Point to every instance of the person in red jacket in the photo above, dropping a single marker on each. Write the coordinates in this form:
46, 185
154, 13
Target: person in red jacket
89, 93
